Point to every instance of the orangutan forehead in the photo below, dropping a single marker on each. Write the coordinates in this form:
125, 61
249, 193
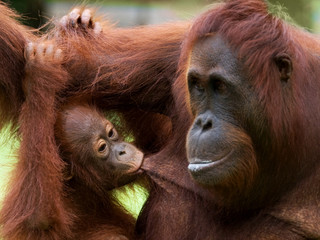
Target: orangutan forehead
213, 52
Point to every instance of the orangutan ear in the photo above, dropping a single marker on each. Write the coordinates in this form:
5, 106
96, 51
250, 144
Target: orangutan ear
284, 65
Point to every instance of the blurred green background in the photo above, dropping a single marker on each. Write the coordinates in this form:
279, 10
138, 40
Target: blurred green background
8, 149
138, 12
129, 13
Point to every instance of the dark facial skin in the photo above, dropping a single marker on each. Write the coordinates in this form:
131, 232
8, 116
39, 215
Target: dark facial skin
91, 142
230, 131
218, 147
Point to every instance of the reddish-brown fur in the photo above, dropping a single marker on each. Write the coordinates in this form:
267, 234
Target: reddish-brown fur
12, 41
141, 64
136, 62
87, 189
34, 207
283, 208
287, 202
137, 65
179, 209
42, 203
28, 96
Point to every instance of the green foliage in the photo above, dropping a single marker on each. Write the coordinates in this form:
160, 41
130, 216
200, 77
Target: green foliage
131, 197
8, 149
280, 11
118, 122
299, 10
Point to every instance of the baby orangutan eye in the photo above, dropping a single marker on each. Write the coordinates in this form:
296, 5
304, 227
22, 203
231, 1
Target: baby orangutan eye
112, 133
102, 148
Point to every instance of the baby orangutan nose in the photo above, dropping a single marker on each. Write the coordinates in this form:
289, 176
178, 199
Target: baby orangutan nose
125, 151
129, 155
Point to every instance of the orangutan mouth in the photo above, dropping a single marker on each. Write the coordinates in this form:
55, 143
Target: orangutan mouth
198, 164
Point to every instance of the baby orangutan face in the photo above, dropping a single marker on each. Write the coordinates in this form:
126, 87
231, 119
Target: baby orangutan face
96, 153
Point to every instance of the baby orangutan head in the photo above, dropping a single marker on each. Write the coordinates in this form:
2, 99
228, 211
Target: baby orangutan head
95, 152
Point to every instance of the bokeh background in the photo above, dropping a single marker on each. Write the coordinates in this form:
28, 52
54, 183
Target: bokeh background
126, 13
139, 12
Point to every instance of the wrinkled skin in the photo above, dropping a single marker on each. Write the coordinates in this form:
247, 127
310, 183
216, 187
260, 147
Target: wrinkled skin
223, 141
218, 147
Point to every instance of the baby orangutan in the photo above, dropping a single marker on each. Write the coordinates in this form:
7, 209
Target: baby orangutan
69, 160
99, 161
89, 142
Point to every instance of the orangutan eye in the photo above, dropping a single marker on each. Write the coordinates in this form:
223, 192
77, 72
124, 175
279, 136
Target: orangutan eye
195, 83
219, 86
198, 86
102, 147
112, 134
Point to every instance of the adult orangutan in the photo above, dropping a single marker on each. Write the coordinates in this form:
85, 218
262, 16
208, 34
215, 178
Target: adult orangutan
271, 74
253, 145
252, 83
238, 193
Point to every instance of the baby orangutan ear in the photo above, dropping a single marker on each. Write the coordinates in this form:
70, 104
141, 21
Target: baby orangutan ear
284, 65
